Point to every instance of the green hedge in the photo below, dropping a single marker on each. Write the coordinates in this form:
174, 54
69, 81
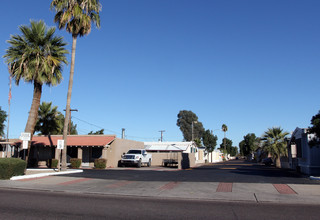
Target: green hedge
53, 163
10, 167
100, 163
75, 163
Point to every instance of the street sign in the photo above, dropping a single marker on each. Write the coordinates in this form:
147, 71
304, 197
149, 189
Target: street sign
60, 144
25, 136
25, 144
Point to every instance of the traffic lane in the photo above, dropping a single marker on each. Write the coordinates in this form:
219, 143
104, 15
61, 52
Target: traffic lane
227, 172
55, 205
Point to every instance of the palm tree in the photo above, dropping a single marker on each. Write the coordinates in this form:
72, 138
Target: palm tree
76, 16
224, 128
274, 143
50, 120
37, 57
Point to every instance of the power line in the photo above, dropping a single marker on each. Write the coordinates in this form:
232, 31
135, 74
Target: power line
96, 125
115, 132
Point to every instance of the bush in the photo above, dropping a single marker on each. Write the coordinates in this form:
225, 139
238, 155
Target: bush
10, 167
75, 162
53, 163
100, 163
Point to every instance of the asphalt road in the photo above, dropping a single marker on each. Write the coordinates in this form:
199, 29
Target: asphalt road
20, 204
232, 171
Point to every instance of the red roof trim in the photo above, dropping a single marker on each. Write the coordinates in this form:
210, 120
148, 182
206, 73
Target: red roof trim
74, 140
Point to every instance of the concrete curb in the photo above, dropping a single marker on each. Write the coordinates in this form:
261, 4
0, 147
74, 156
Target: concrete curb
44, 174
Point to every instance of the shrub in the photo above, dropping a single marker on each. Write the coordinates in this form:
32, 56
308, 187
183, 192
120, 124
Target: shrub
10, 167
53, 163
100, 163
75, 162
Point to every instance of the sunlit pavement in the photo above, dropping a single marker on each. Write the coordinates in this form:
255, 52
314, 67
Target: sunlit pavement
230, 181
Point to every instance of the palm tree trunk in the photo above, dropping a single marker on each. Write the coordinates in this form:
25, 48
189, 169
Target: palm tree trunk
66, 119
33, 113
278, 162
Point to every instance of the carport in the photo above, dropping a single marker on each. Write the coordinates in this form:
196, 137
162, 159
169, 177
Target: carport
167, 153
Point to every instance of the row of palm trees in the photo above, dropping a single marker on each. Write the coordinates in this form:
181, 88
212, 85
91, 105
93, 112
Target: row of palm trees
37, 56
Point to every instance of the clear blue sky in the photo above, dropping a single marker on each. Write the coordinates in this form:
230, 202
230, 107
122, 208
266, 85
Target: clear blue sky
248, 64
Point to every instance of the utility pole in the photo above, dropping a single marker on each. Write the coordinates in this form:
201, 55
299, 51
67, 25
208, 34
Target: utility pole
71, 110
123, 133
161, 135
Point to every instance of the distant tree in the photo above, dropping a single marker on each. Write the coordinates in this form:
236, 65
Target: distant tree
234, 151
224, 128
249, 144
3, 118
50, 120
315, 129
198, 142
209, 141
97, 132
274, 143
73, 128
184, 122
228, 143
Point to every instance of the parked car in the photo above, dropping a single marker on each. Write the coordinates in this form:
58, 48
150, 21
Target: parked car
267, 161
136, 158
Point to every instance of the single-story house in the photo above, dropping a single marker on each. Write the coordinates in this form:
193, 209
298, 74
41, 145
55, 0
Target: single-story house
85, 147
301, 156
6, 148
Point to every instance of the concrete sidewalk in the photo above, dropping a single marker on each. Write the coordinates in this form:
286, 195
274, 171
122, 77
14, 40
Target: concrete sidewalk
218, 191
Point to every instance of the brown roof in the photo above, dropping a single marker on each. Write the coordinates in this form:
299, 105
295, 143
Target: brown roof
74, 140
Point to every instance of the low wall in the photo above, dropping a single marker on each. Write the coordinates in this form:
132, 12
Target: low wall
185, 160
157, 158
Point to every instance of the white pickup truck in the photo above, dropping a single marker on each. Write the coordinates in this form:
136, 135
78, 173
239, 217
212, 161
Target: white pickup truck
136, 157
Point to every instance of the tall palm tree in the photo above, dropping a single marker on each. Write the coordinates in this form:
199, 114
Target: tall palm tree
76, 16
36, 56
274, 143
50, 120
224, 128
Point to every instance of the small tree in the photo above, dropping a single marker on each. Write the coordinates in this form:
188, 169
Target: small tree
315, 129
274, 143
224, 128
97, 132
228, 144
209, 141
50, 120
249, 144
